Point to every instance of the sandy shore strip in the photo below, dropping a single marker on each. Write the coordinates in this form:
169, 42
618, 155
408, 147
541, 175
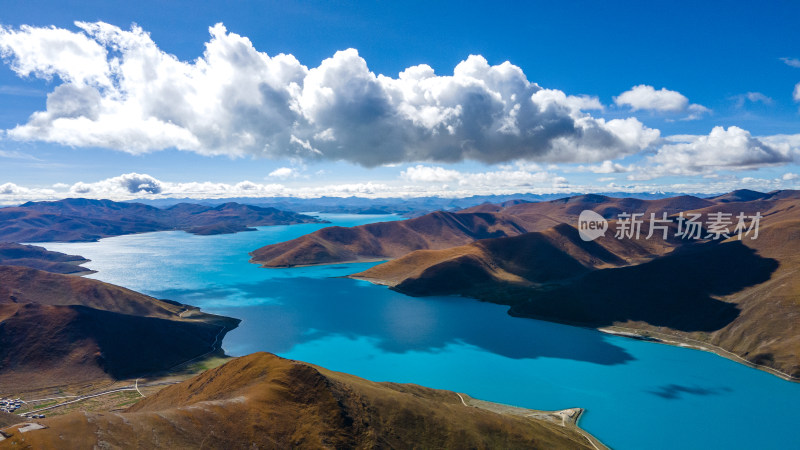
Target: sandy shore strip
677, 341
567, 418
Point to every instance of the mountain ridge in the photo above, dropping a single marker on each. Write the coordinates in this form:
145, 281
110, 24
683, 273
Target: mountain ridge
391, 240
40, 258
82, 220
261, 400
57, 328
742, 296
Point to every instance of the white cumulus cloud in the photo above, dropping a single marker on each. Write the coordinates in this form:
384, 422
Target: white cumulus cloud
428, 174
117, 89
722, 149
11, 193
508, 177
607, 166
644, 97
10, 188
119, 187
284, 172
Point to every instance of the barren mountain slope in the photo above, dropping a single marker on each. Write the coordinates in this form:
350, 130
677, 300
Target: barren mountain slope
440, 230
386, 239
58, 328
41, 258
263, 401
80, 219
743, 296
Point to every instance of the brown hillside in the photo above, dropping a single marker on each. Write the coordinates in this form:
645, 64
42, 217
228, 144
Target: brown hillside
386, 239
528, 260
740, 195
742, 296
543, 215
80, 219
262, 401
26, 225
440, 230
8, 419
218, 228
493, 207
21, 285
58, 328
41, 258
768, 330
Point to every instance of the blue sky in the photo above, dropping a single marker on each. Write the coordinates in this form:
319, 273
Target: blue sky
628, 96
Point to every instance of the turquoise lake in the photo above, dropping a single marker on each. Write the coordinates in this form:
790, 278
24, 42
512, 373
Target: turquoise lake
638, 395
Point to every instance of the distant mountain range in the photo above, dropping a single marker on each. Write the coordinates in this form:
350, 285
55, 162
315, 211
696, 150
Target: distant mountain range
734, 296
81, 220
408, 207
78, 219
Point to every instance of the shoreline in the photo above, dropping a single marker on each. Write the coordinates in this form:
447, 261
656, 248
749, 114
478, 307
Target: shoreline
567, 418
261, 265
677, 341
375, 281
638, 334
185, 230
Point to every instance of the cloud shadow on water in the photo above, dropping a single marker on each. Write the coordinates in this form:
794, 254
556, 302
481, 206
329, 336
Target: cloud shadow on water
676, 391
278, 314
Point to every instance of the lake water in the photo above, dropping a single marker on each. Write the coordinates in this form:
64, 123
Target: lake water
637, 394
